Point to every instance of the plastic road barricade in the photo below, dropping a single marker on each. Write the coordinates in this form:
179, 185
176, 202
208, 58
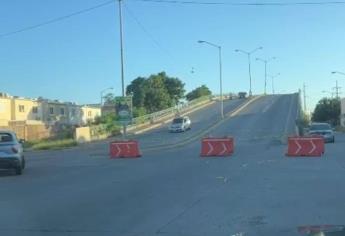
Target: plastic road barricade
217, 147
124, 149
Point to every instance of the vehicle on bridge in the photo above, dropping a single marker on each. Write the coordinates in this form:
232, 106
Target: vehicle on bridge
242, 95
322, 129
11, 152
180, 124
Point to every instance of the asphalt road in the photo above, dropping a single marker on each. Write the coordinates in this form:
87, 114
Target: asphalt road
257, 191
201, 120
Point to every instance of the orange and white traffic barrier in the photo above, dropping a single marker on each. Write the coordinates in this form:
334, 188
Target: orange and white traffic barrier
217, 147
305, 146
123, 149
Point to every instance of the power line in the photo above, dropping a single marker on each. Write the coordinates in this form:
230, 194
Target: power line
57, 19
149, 35
244, 4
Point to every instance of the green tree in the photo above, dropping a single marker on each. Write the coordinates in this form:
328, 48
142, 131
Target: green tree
157, 97
109, 98
156, 92
138, 88
174, 87
198, 92
137, 112
327, 110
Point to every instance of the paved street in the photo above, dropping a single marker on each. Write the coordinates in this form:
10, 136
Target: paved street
201, 120
257, 191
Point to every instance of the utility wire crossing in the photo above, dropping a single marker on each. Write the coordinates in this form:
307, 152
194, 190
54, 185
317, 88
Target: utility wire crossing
246, 4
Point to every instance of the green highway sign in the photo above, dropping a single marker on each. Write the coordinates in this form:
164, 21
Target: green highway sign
123, 106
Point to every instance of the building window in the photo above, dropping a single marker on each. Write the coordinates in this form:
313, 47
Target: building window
51, 110
21, 108
35, 110
62, 111
73, 112
89, 113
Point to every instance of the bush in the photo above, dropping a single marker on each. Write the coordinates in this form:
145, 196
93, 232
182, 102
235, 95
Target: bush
51, 145
140, 111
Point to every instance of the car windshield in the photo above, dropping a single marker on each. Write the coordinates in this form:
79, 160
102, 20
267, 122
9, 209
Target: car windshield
320, 127
178, 121
5, 137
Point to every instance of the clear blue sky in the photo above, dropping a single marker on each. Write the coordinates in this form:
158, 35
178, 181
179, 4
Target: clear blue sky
72, 60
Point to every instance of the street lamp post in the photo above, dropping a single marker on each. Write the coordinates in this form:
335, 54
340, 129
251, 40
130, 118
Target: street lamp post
249, 65
265, 61
220, 74
121, 50
273, 77
110, 88
122, 62
337, 88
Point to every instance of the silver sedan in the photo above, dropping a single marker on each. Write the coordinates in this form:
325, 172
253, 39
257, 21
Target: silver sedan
11, 152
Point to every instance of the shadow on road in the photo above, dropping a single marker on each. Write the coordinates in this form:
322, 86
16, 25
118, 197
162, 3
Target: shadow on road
7, 173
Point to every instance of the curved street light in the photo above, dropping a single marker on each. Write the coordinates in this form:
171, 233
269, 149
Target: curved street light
273, 77
249, 53
265, 61
110, 88
220, 74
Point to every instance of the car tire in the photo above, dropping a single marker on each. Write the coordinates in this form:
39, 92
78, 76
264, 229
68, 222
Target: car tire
23, 163
19, 170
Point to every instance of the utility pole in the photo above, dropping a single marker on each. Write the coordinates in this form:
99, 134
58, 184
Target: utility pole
337, 90
304, 98
122, 66
221, 82
121, 49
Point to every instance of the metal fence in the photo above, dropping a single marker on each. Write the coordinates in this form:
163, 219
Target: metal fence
170, 111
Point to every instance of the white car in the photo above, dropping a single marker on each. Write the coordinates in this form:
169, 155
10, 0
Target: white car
323, 129
180, 124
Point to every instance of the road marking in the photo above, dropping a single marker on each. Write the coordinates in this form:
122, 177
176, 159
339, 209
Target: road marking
299, 146
224, 149
234, 113
203, 132
118, 149
314, 147
210, 148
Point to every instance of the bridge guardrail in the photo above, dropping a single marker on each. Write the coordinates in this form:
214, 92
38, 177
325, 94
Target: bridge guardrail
151, 118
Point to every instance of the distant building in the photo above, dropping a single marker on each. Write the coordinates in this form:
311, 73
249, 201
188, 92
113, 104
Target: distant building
5, 109
45, 111
89, 113
342, 116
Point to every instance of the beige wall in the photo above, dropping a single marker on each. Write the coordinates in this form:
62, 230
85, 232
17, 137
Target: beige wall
55, 112
5, 111
49, 112
90, 113
25, 109
83, 135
